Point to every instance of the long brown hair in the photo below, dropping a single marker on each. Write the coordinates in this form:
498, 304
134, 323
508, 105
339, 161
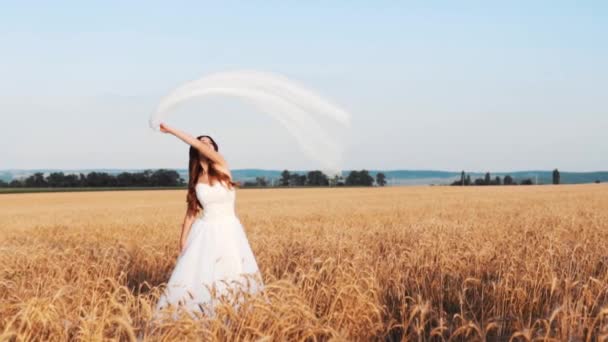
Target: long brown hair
194, 171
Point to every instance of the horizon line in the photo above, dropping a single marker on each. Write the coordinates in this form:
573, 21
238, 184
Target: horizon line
282, 169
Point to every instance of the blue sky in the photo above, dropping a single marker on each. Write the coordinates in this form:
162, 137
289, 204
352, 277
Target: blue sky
474, 85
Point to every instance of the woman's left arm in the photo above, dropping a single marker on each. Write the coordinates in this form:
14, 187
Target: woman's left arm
183, 238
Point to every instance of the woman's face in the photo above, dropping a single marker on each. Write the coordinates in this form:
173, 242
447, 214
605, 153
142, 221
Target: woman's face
207, 141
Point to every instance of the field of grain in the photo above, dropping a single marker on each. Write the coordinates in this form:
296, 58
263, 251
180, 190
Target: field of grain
402, 263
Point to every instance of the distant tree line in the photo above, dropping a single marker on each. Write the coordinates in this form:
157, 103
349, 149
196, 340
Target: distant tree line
465, 179
318, 178
163, 177
147, 178
170, 178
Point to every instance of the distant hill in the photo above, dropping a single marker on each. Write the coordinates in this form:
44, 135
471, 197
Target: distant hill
393, 177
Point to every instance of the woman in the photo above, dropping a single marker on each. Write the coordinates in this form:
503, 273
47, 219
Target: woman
214, 251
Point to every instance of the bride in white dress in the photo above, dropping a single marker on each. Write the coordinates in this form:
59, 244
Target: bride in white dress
214, 250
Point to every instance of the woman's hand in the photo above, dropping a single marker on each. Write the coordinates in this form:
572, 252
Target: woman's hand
164, 128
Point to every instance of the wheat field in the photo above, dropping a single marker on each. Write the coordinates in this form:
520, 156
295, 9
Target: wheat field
342, 264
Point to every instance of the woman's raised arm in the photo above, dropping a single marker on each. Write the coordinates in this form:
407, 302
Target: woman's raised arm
192, 141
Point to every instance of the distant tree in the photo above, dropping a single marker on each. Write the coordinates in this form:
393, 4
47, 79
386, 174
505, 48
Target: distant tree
462, 178
294, 179
163, 177
359, 178
82, 180
3, 184
71, 181
297, 180
457, 182
140, 178
597, 181
555, 176
36, 181
56, 180
467, 180
284, 181
15, 183
380, 179
497, 180
316, 178
508, 180
487, 179
260, 181
100, 179
60, 180
479, 181
527, 181
366, 178
352, 178
126, 179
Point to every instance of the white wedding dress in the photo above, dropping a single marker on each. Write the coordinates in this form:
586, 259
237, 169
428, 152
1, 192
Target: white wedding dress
217, 255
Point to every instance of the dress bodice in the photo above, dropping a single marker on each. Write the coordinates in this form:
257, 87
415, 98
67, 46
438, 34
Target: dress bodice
217, 200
